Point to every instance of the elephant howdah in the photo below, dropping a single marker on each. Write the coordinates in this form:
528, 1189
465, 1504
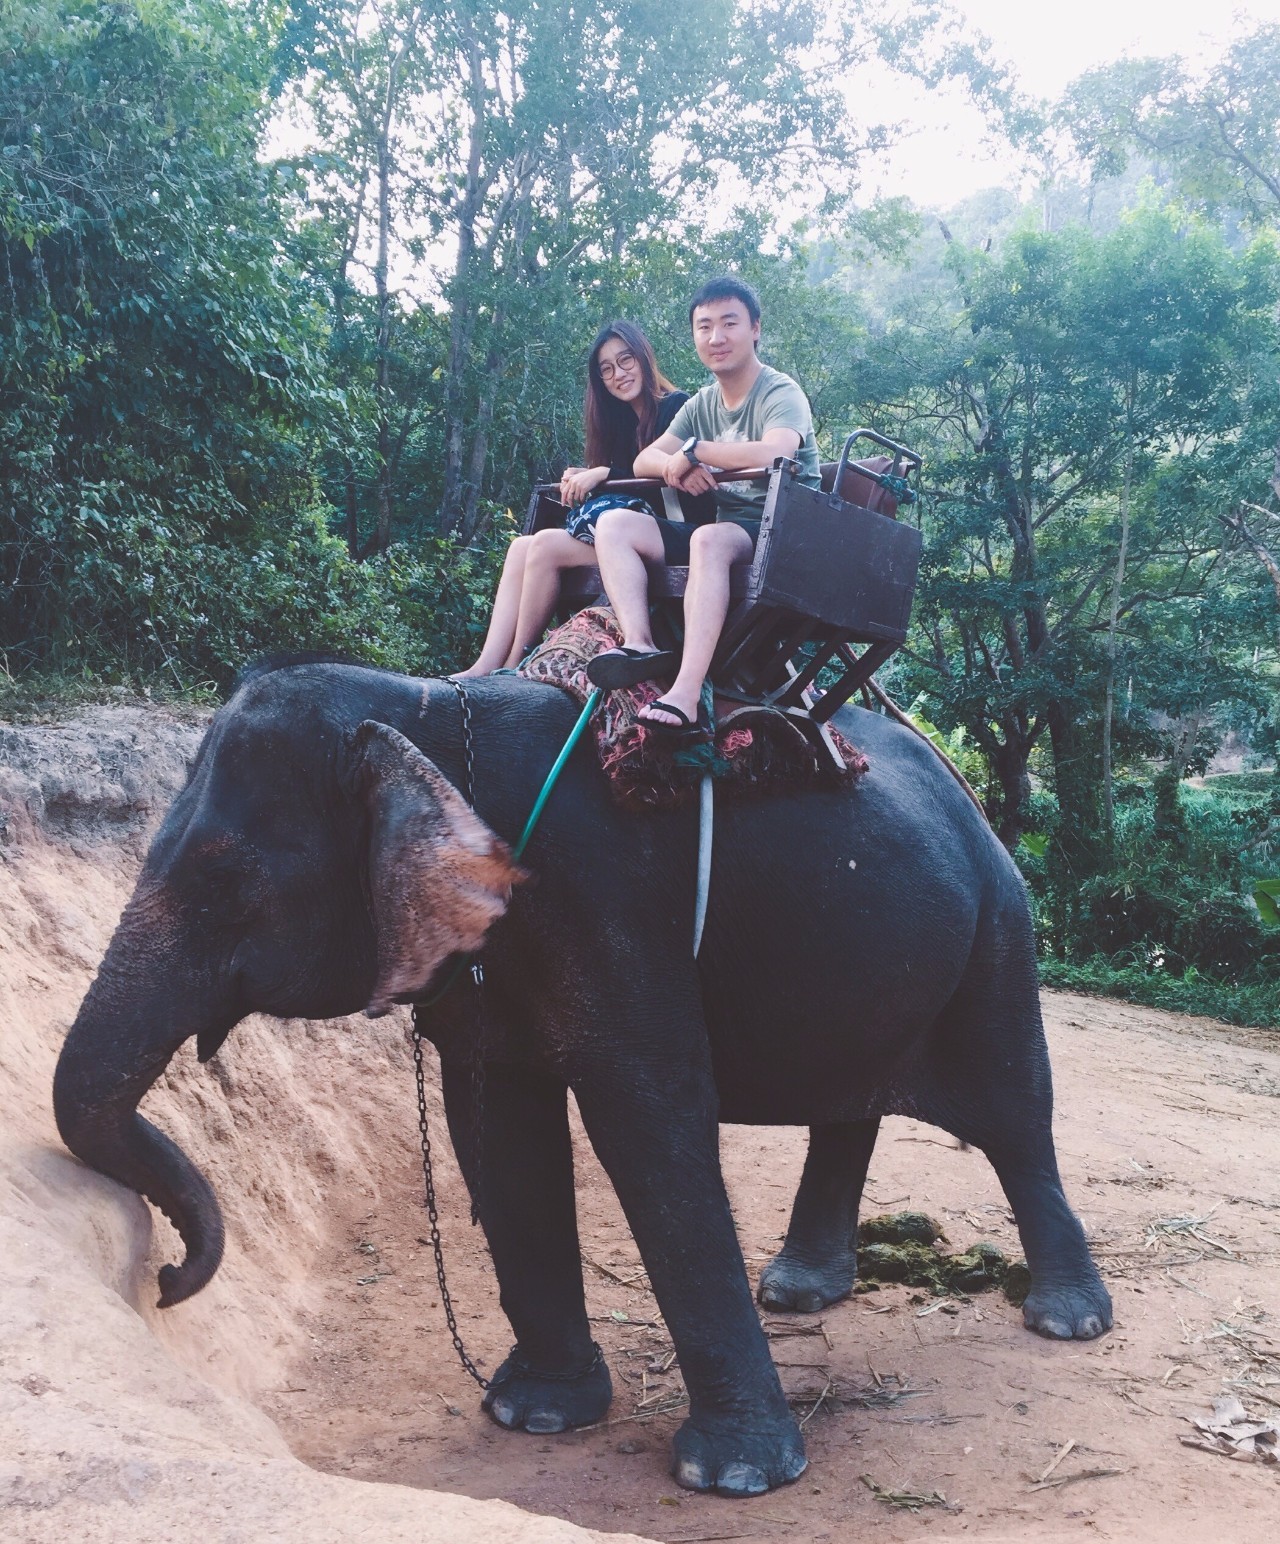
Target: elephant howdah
868, 952
757, 748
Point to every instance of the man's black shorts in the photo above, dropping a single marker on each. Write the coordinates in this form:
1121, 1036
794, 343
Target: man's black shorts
677, 534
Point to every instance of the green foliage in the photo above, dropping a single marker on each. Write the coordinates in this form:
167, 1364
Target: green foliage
1255, 1002
226, 381
1060, 388
1216, 129
161, 381
1173, 919
1265, 895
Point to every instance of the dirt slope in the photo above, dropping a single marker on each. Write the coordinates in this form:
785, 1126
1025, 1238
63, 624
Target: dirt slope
118, 1422
321, 1339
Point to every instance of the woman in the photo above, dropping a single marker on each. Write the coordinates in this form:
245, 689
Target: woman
629, 403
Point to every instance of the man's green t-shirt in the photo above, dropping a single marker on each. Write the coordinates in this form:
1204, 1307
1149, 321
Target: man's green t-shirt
775, 401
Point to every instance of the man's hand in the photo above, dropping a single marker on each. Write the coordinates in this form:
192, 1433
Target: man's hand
681, 473
580, 482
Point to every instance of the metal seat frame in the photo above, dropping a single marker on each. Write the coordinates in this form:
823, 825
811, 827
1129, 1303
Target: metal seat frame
824, 602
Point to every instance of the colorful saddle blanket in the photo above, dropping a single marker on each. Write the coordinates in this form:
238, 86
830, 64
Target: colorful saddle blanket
755, 748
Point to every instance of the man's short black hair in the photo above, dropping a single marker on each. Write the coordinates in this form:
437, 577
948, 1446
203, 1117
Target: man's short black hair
726, 287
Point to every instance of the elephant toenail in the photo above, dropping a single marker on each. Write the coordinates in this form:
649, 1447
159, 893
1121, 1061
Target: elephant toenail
692, 1475
545, 1421
794, 1466
739, 1479
503, 1411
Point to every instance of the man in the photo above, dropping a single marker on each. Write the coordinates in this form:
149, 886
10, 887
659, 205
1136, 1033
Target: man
747, 417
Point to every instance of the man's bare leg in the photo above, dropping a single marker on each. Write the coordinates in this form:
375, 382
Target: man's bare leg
713, 552
625, 540
550, 553
506, 608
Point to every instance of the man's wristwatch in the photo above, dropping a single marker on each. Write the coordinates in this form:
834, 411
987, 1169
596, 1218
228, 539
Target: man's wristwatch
689, 451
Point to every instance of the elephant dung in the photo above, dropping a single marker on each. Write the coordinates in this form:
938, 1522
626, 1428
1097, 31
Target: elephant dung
903, 1247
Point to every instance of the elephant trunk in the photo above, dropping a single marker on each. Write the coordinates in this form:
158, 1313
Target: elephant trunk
122, 1040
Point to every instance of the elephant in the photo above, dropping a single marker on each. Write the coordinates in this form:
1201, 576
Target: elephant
868, 950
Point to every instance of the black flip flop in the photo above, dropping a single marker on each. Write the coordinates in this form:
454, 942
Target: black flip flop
628, 667
686, 729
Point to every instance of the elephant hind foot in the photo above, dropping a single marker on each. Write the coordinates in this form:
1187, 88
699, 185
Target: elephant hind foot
737, 1462
522, 1399
793, 1285
1079, 1311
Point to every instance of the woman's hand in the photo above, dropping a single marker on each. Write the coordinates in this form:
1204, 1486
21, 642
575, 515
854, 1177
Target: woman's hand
580, 482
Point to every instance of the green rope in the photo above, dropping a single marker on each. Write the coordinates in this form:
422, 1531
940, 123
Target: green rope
575, 734
539, 804
898, 486
704, 757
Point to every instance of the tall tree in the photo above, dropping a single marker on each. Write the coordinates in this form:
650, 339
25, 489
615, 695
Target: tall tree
363, 66
526, 153
1071, 362
1216, 129
160, 382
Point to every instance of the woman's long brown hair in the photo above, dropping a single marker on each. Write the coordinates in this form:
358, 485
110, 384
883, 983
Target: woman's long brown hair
614, 431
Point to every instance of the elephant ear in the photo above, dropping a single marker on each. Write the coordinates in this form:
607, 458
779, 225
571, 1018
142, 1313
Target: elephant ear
438, 876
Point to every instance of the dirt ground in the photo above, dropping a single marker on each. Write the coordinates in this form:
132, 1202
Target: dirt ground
1164, 1123
322, 1339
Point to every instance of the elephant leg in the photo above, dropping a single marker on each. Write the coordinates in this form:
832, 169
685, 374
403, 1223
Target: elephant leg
554, 1378
994, 1090
1068, 1300
656, 1132
817, 1264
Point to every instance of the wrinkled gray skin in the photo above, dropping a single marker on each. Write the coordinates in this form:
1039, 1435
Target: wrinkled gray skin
868, 951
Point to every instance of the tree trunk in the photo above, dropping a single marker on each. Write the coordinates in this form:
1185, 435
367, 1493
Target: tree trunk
1075, 777
480, 435
1009, 763
463, 309
1117, 584
382, 380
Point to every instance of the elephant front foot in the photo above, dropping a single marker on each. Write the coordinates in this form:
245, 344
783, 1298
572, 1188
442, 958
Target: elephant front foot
735, 1461
521, 1398
801, 1286
1073, 1312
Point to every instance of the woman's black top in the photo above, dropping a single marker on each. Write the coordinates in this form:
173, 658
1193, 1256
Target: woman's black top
668, 407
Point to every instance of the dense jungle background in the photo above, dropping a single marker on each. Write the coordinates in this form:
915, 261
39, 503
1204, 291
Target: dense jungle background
295, 305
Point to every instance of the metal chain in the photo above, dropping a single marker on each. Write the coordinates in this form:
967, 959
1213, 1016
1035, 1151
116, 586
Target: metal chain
433, 1215
517, 1366
477, 1074
515, 1363
468, 740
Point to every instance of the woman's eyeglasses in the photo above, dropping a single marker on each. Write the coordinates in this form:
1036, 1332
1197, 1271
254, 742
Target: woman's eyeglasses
619, 366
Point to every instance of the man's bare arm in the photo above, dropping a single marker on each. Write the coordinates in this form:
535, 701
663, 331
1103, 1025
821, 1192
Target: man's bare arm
739, 455
662, 458
652, 460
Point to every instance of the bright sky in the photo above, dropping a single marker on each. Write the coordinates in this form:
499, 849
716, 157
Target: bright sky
1049, 43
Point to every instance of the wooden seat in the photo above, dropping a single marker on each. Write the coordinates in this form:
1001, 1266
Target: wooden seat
825, 601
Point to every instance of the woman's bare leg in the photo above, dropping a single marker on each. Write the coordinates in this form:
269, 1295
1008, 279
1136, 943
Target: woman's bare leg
550, 553
506, 608
625, 540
